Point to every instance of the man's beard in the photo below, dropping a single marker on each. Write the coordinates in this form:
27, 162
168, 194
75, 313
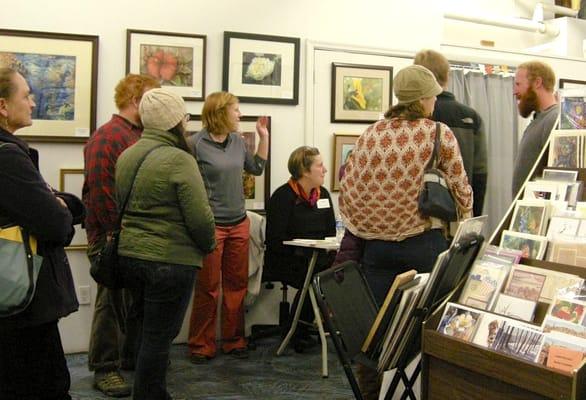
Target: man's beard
528, 103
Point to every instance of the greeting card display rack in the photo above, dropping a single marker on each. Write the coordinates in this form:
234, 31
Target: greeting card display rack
455, 369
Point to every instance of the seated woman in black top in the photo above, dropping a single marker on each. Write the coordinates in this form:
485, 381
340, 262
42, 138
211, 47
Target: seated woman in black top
301, 208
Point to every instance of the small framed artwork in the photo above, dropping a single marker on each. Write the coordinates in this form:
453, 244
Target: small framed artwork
565, 150
261, 68
551, 174
572, 84
71, 181
360, 93
530, 216
256, 188
62, 72
176, 60
563, 226
542, 190
531, 246
343, 145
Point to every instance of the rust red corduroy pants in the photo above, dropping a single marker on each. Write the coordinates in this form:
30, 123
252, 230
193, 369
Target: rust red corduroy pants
226, 265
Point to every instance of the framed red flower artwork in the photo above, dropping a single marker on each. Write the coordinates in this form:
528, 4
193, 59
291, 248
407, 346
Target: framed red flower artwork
177, 60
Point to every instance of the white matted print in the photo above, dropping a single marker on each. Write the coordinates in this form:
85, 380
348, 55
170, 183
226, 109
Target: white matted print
560, 175
530, 216
176, 60
531, 246
261, 68
71, 181
564, 149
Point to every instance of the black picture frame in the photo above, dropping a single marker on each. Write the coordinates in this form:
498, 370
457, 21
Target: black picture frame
261, 68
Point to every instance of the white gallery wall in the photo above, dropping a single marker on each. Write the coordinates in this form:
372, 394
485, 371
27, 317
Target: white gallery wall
372, 32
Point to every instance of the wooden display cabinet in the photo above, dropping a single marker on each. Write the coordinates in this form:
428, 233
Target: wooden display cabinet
453, 369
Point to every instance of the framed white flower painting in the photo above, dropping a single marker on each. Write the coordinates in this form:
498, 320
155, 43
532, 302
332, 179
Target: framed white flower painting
261, 68
176, 60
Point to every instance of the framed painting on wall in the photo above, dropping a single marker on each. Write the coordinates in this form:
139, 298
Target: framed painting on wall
257, 189
71, 181
62, 72
360, 93
343, 145
261, 68
176, 60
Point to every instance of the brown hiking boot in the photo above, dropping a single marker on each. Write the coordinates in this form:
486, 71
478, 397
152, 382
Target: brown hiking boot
112, 384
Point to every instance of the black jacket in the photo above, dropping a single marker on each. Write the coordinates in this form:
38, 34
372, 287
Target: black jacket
28, 201
469, 131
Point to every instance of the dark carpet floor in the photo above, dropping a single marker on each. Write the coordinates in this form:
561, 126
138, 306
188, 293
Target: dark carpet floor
262, 376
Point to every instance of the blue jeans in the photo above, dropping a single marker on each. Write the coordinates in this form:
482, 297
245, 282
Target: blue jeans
384, 260
165, 290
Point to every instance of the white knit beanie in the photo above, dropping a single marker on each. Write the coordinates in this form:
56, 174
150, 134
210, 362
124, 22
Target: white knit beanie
161, 109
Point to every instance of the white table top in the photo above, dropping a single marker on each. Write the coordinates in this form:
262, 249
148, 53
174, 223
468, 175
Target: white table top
325, 244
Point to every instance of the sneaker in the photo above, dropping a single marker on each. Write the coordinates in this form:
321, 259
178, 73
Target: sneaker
199, 359
112, 384
239, 353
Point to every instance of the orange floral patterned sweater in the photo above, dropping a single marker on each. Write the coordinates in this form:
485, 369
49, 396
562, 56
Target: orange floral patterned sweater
384, 174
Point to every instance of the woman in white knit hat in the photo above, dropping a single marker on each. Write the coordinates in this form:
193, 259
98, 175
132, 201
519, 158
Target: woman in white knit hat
167, 228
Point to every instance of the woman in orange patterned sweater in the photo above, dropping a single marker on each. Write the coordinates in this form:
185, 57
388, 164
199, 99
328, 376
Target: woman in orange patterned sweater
380, 190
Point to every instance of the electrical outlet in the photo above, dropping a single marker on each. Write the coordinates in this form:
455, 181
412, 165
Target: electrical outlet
84, 295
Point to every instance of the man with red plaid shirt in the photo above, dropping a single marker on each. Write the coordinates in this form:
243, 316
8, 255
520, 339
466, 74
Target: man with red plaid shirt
112, 338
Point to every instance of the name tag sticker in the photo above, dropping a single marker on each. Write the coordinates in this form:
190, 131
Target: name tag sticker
323, 203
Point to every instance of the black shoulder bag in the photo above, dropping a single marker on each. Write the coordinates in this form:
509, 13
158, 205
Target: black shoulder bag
435, 199
105, 268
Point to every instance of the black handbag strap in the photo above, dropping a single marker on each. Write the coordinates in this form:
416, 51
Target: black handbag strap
125, 203
436, 148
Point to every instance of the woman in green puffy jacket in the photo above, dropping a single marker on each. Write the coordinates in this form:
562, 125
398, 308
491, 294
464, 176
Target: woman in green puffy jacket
167, 228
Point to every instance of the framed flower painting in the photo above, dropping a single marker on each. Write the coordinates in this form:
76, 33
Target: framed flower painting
177, 60
261, 68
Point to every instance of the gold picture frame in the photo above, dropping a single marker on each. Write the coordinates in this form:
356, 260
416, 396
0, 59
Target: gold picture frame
71, 181
62, 72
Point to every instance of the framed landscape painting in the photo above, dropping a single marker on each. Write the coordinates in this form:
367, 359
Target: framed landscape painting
261, 68
360, 93
62, 72
256, 188
176, 60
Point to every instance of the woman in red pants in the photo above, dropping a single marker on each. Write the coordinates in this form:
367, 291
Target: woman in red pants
222, 157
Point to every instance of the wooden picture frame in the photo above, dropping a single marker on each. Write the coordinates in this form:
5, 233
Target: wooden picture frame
343, 145
360, 93
62, 72
177, 60
257, 199
261, 68
71, 181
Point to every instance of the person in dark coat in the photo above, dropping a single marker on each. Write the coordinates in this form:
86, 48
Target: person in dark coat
32, 361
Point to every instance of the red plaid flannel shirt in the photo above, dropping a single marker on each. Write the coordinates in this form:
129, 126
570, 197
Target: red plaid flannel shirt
101, 153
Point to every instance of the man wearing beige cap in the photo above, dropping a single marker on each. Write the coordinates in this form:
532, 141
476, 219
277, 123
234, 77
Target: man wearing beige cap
384, 175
